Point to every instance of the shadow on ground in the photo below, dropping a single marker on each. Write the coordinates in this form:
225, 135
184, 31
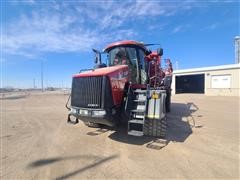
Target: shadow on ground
99, 131
47, 161
97, 161
180, 124
12, 96
80, 170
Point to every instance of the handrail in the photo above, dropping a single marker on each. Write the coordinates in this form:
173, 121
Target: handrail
82, 70
67, 102
128, 92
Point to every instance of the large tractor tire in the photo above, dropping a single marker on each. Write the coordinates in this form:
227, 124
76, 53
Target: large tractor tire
155, 127
92, 125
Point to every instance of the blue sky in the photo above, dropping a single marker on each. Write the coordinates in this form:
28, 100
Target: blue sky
61, 34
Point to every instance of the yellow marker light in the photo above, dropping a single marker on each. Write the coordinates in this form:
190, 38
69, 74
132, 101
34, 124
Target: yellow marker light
155, 95
153, 116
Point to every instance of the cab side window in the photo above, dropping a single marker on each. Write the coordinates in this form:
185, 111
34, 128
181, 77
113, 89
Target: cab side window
143, 68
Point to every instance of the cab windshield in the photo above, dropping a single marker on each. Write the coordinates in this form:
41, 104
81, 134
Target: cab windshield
123, 56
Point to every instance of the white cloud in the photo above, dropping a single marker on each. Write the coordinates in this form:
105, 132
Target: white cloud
211, 26
75, 27
180, 28
177, 29
21, 2
30, 1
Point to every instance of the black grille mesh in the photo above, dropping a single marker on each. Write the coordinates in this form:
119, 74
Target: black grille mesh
87, 92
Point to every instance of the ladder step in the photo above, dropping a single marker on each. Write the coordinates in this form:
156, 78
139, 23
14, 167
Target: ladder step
139, 116
138, 111
139, 100
140, 107
135, 133
137, 121
139, 91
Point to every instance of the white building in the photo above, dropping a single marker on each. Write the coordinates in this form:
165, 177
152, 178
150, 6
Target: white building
214, 81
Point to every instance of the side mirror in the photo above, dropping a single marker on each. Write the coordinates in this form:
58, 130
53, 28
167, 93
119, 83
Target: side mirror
97, 59
160, 51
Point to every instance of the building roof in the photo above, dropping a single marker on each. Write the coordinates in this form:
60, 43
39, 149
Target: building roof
211, 68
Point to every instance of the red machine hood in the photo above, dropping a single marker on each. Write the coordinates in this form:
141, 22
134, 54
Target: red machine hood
101, 71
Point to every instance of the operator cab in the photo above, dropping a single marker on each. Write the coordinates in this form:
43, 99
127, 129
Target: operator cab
125, 56
129, 53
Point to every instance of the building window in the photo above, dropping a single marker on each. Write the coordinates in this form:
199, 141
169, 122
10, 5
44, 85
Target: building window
221, 81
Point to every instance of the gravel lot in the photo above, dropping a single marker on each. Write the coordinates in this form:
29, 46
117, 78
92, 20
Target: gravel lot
37, 143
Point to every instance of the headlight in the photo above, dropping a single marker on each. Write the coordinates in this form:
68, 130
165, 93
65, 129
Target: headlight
73, 110
83, 112
98, 113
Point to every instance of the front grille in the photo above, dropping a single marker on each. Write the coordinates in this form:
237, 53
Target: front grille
87, 92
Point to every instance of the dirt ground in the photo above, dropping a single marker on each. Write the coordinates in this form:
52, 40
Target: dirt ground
37, 143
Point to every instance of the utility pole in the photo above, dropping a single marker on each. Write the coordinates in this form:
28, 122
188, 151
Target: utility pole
237, 49
176, 65
42, 74
34, 86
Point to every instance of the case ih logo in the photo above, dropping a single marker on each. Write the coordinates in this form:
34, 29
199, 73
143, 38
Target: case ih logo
92, 105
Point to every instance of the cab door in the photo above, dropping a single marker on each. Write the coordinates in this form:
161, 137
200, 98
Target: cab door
133, 64
142, 67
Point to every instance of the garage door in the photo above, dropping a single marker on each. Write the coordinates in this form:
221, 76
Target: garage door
190, 83
221, 81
